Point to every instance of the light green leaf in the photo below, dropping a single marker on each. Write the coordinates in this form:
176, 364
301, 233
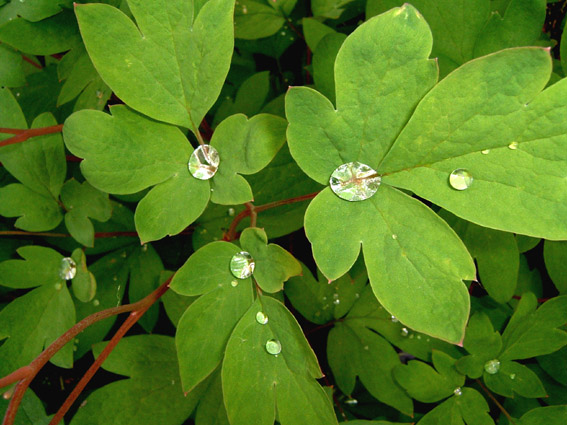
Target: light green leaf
324, 63
398, 262
550, 415
256, 383
40, 266
555, 256
314, 31
469, 407
84, 282
30, 10
256, 19
172, 72
513, 377
245, 147
274, 265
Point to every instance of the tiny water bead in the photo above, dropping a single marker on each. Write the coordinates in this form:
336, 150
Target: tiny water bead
460, 179
458, 391
261, 318
67, 268
204, 162
242, 265
513, 146
513, 376
336, 299
273, 347
58, 286
394, 319
354, 181
492, 366
404, 332
230, 212
234, 283
96, 303
351, 401
485, 151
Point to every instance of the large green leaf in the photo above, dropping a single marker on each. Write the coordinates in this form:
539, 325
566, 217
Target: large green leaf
39, 266
256, 383
172, 65
550, 415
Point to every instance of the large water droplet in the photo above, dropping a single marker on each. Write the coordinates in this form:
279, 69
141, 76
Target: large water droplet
204, 162
261, 318
273, 347
458, 391
242, 265
354, 181
492, 366
67, 268
460, 179
513, 146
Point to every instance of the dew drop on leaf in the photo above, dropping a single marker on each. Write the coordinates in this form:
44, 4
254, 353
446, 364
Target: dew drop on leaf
354, 181
351, 401
458, 391
404, 332
273, 347
234, 283
242, 265
492, 366
67, 269
58, 286
394, 319
230, 212
513, 376
513, 146
460, 179
485, 151
96, 303
204, 162
336, 299
261, 318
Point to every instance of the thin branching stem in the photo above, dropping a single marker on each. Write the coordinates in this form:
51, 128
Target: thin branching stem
21, 135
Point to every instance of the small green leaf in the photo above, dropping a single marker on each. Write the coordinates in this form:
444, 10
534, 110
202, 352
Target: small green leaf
314, 31
11, 70
40, 266
31, 11
550, 415
84, 282
31, 411
256, 19
555, 255
211, 410
273, 264
324, 63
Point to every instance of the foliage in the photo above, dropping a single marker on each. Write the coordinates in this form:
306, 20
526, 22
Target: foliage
324, 211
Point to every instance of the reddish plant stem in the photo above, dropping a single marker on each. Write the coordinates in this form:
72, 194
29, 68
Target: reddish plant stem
73, 158
27, 373
539, 300
496, 402
22, 135
31, 62
208, 131
294, 29
253, 214
230, 235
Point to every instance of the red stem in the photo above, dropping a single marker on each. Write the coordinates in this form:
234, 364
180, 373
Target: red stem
27, 373
21, 135
31, 62
539, 300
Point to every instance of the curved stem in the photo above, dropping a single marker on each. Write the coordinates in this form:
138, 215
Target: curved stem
496, 402
21, 135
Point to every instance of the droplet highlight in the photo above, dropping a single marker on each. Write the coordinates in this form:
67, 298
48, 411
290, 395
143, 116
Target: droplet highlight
261, 318
230, 212
485, 151
67, 268
460, 179
242, 265
204, 162
404, 332
96, 303
351, 401
513, 146
273, 347
354, 181
492, 366
234, 283
512, 376
394, 319
458, 391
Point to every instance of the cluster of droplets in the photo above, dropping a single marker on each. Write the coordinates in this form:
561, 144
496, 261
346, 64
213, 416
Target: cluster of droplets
242, 265
204, 162
354, 181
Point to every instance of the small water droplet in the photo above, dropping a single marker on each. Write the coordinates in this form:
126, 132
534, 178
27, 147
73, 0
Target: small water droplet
18, 94
234, 283
8, 394
75, 348
58, 286
67, 269
261, 318
115, 278
485, 151
324, 298
351, 401
394, 236
418, 337
83, 404
96, 303
458, 391
273, 347
460, 179
99, 94
230, 212
394, 319
337, 301
76, 340
492, 366
512, 376
145, 247
404, 332
244, 10
366, 347
242, 265
513, 146
354, 181
204, 162
357, 295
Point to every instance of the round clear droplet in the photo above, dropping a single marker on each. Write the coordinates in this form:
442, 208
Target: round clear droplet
58, 286
230, 212
96, 303
204, 162
273, 347
404, 332
458, 391
512, 376
234, 283
485, 151
351, 401
492, 366
513, 146
394, 319
460, 179
354, 181
67, 268
242, 265
261, 318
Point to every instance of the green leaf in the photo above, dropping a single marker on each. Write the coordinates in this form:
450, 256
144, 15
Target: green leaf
11, 70
469, 407
550, 415
46, 37
211, 410
449, 130
526, 243
40, 266
84, 282
31, 11
174, 72
394, 255
274, 265
203, 331
324, 63
554, 366
256, 19
513, 377
150, 362
354, 350
424, 383
174, 304
329, 8
245, 147
314, 31
555, 256
82, 202
256, 383
31, 411
10, 113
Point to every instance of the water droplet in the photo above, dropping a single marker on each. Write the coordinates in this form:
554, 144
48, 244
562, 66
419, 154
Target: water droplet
337, 301
58, 286
513, 146
96, 303
366, 347
8, 394
404, 332
419, 337
67, 269
351, 401
283, 33
512, 376
115, 278
261, 318
18, 94
458, 391
76, 340
354, 181
485, 151
230, 212
204, 162
394, 236
244, 10
460, 179
357, 295
394, 319
234, 283
492, 366
99, 94
75, 348
145, 247
273, 347
242, 265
